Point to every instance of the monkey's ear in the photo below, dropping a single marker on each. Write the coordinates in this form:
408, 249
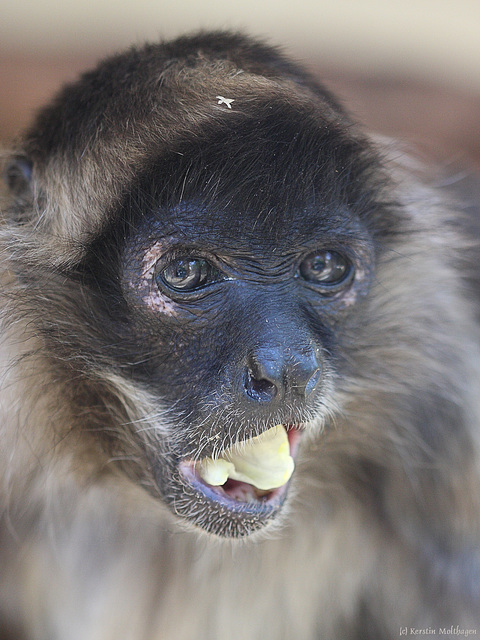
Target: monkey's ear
18, 177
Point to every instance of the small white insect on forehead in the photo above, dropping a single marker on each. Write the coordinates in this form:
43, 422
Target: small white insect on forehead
226, 101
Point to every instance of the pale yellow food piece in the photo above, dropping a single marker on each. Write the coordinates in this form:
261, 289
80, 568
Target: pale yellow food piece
215, 472
263, 461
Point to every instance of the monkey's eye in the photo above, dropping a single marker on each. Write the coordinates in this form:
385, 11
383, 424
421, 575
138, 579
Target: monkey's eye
328, 269
187, 274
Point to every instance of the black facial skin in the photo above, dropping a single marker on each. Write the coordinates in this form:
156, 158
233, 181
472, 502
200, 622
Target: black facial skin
251, 339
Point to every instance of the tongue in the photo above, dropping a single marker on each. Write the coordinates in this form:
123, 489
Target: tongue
264, 462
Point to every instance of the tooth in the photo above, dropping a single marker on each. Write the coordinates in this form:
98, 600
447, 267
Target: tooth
263, 461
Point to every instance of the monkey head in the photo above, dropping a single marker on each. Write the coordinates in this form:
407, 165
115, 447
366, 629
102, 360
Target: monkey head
211, 217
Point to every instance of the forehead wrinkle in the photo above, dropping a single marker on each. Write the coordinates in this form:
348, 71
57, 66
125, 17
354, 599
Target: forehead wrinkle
229, 233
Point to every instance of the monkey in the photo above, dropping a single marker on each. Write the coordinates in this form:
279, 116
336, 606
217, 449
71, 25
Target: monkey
240, 363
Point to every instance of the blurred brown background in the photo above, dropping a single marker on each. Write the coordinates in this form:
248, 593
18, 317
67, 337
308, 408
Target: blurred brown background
409, 69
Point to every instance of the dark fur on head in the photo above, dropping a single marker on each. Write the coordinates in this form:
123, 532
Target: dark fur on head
218, 153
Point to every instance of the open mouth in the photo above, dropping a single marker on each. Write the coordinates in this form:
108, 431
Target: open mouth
249, 479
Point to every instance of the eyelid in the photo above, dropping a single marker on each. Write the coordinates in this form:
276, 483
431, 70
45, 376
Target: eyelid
174, 253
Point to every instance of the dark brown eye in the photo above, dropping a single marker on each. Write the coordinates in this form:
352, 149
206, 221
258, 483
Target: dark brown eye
187, 274
329, 269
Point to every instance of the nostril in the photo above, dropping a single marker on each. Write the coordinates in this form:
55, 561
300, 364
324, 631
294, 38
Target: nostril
261, 390
264, 374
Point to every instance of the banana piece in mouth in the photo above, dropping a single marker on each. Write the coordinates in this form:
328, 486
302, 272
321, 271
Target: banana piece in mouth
264, 462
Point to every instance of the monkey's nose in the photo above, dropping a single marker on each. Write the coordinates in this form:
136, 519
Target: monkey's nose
270, 372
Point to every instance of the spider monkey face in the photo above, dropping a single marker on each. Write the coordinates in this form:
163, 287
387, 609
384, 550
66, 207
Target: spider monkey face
239, 304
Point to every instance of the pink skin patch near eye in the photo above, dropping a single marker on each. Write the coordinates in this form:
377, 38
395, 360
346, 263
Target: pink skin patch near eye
146, 286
